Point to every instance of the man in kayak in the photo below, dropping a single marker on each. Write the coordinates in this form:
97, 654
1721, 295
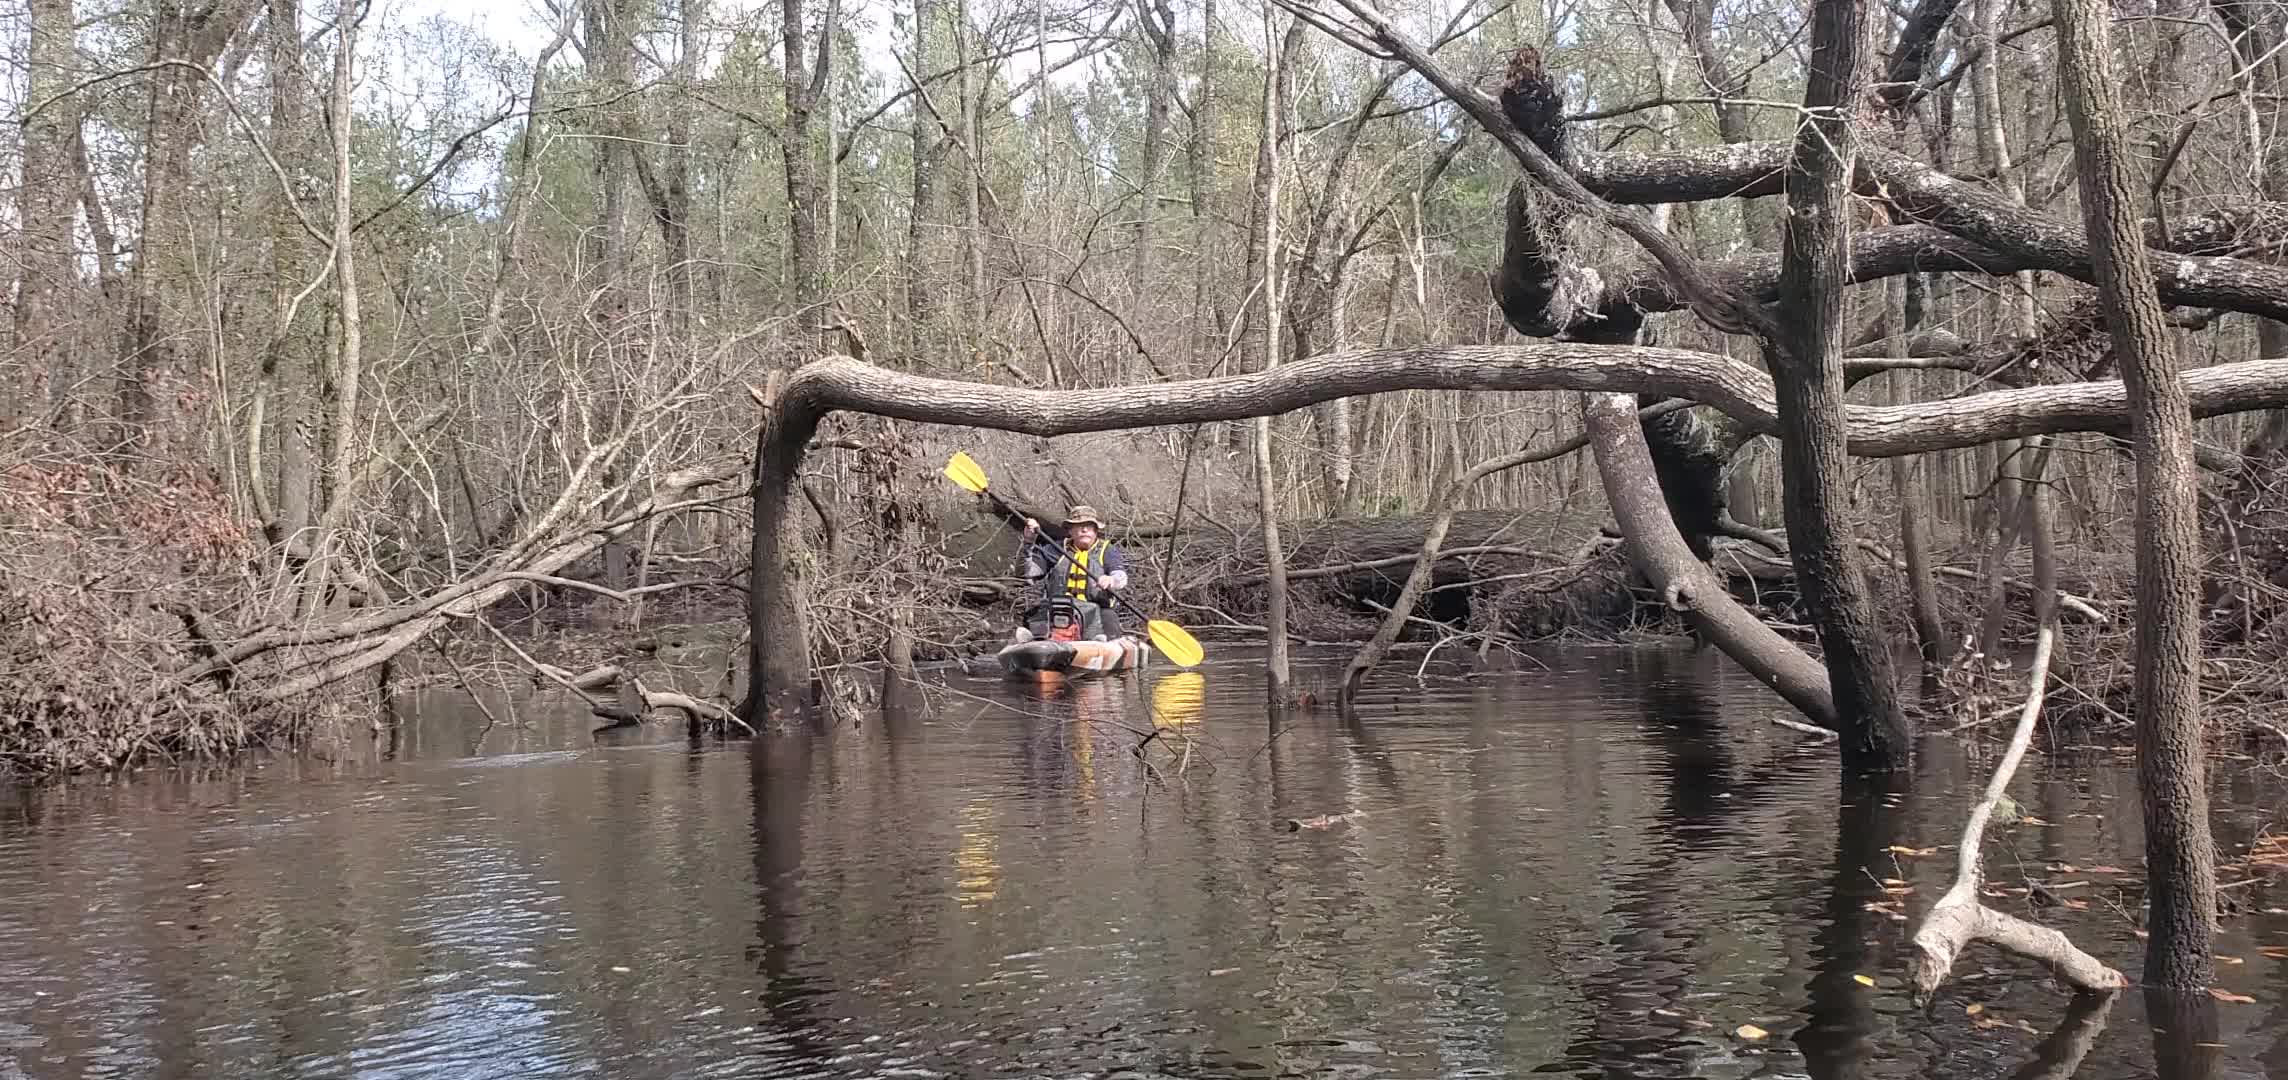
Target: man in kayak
1089, 579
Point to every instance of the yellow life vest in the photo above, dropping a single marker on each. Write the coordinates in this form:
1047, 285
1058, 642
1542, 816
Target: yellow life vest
1082, 569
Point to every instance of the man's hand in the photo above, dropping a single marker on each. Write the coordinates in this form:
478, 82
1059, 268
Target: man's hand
1105, 583
1032, 528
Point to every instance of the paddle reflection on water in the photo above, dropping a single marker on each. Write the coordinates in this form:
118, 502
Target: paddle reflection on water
1612, 868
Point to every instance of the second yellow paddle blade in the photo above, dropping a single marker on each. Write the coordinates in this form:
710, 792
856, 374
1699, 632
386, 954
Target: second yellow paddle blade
966, 472
1178, 698
1175, 643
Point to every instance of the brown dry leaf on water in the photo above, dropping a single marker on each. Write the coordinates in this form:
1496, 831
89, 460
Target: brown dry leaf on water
1862, 980
1751, 1032
1323, 821
1891, 909
2229, 996
1974, 1008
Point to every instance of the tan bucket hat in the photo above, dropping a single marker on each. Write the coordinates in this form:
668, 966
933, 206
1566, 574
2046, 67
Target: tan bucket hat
1083, 514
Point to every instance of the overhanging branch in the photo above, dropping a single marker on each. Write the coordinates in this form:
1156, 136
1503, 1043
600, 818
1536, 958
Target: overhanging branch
1734, 388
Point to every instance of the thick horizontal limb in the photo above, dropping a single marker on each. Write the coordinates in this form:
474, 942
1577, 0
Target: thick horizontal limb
1882, 253
1732, 387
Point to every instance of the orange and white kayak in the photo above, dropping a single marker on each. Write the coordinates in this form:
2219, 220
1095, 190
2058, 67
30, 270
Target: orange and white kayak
1036, 659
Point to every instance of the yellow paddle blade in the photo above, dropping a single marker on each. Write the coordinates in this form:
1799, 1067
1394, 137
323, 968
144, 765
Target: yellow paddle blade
1175, 643
966, 472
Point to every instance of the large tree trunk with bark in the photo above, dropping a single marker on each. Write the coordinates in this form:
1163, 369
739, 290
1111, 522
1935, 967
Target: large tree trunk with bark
1806, 360
2180, 860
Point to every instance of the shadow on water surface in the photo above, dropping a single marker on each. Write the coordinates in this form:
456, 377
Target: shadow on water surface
1605, 869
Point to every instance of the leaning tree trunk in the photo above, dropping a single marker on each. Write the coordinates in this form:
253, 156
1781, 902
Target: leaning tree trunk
2180, 862
1806, 359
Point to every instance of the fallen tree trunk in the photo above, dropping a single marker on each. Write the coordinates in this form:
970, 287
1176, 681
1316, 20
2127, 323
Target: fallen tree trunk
1735, 388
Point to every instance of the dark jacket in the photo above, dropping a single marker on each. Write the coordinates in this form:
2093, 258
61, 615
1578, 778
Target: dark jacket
1102, 558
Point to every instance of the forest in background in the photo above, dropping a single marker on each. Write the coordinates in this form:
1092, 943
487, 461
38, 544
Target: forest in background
264, 383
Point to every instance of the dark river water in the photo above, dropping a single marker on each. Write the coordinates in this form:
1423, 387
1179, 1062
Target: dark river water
1603, 869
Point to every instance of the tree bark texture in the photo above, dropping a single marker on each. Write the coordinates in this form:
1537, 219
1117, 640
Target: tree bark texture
2180, 860
1806, 359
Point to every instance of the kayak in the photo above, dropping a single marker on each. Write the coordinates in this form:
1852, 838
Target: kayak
1042, 659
